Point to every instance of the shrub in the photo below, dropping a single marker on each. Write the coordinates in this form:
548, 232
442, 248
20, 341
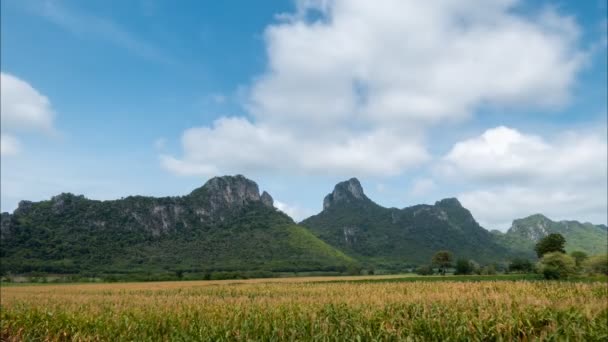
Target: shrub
521, 265
579, 257
597, 264
556, 265
425, 270
488, 270
463, 266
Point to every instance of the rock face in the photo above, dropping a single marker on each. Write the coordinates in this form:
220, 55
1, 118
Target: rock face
345, 192
267, 199
230, 190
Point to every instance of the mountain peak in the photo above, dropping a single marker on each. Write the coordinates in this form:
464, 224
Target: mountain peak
449, 202
345, 192
236, 189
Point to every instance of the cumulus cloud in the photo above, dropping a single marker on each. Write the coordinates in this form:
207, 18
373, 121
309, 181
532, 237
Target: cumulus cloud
23, 109
9, 145
422, 186
235, 144
521, 174
294, 211
350, 86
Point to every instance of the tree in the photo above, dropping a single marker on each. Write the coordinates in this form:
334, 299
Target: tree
579, 257
557, 265
443, 260
464, 266
424, 270
520, 265
550, 243
597, 264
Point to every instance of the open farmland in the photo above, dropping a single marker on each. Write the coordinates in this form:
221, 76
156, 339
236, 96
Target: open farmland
307, 309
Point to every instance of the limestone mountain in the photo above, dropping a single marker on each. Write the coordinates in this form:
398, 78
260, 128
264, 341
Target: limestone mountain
350, 221
526, 232
224, 225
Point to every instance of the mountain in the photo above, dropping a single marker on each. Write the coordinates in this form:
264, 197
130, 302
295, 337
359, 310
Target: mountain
351, 222
526, 232
224, 225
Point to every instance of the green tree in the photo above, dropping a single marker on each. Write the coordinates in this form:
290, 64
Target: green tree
520, 265
597, 264
579, 257
550, 243
424, 270
464, 266
557, 265
443, 260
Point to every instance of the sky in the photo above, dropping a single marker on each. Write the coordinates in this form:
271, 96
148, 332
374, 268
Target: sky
500, 103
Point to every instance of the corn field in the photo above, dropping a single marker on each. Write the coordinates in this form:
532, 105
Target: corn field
307, 310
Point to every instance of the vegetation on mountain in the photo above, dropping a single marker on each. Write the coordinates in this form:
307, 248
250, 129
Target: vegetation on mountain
397, 238
526, 232
223, 226
226, 229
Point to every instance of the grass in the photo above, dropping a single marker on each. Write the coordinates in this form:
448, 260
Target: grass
341, 308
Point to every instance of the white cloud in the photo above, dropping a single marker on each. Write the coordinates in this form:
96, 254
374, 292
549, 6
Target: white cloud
9, 145
23, 109
353, 90
235, 144
422, 187
294, 211
521, 174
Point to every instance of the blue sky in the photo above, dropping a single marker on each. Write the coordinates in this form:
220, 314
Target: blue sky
500, 103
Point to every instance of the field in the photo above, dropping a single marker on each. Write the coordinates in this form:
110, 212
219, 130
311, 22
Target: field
355, 308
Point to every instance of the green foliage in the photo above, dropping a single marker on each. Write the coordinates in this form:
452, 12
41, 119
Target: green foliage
425, 270
464, 266
442, 259
521, 265
596, 264
579, 257
557, 265
488, 270
525, 232
551, 243
392, 238
144, 238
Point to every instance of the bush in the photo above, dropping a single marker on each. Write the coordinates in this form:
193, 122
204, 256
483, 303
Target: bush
556, 265
596, 264
579, 257
488, 270
463, 266
425, 270
521, 265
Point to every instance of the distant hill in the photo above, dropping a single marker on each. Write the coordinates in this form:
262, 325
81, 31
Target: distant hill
351, 222
526, 232
224, 225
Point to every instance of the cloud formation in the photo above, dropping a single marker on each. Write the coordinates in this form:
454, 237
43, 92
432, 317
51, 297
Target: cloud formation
23, 109
515, 172
351, 86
